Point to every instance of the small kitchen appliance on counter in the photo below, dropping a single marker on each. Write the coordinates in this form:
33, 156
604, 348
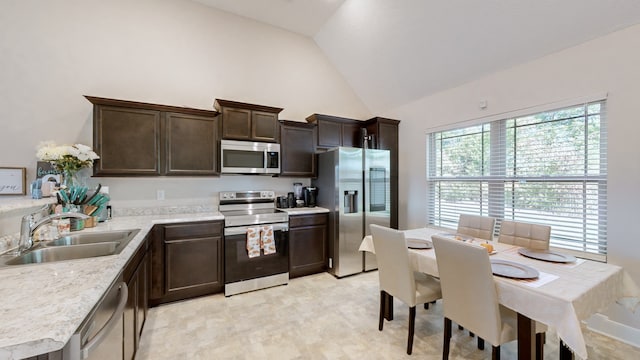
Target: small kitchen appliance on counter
297, 192
244, 211
310, 196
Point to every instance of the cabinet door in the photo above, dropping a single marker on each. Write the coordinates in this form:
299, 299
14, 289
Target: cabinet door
191, 144
387, 137
351, 135
127, 141
307, 244
264, 126
192, 265
236, 124
190, 261
307, 247
142, 296
329, 134
297, 144
156, 253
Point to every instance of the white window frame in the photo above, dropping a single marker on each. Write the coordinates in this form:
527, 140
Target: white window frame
497, 179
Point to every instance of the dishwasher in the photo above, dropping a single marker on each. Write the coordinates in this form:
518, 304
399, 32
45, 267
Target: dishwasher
101, 334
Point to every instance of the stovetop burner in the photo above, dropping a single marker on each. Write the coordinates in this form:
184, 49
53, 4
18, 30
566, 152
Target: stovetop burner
250, 208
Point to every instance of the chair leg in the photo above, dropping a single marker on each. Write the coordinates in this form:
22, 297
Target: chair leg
388, 304
447, 339
540, 340
412, 324
426, 306
480, 343
565, 352
383, 297
495, 353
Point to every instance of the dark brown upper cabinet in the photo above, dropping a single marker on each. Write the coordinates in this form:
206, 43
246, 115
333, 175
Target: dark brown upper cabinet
297, 149
249, 122
127, 140
141, 139
191, 144
385, 132
336, 131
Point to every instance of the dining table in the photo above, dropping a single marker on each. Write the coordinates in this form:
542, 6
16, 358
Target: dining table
561, 296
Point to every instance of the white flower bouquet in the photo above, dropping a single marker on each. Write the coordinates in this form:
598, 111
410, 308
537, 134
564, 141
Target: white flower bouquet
66, 158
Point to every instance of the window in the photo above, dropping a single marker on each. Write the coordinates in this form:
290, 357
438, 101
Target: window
548, 168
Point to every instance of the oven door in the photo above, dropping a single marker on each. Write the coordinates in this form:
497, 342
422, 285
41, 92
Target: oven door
239, 267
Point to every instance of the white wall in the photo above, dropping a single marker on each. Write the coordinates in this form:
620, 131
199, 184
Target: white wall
608, 64
159, 51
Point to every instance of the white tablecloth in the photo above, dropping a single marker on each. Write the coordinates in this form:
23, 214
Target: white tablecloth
565, 294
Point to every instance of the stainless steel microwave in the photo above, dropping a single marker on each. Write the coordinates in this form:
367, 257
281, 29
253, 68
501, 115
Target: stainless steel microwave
245, 157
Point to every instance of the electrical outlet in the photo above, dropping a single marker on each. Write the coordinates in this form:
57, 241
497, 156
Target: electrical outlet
160, 194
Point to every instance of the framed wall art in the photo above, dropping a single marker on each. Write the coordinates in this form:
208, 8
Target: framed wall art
13, 181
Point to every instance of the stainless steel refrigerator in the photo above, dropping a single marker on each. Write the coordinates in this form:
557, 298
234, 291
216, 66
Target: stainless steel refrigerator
354, 184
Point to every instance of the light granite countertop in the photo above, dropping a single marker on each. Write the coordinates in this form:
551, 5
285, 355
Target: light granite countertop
42, 305
305, 210
21, 202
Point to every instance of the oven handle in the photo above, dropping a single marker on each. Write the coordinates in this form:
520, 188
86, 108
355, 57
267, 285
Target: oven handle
241, 230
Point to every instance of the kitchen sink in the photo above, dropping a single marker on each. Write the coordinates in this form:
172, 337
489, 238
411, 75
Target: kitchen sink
77, 246
60, 253
119, 236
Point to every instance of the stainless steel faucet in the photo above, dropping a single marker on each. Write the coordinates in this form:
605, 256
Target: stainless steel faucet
30, 225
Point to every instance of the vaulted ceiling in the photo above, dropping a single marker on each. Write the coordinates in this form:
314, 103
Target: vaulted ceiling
393, 52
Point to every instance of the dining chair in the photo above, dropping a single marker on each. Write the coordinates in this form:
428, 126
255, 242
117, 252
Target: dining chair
397, 278
481, 227
532, 236
470, 298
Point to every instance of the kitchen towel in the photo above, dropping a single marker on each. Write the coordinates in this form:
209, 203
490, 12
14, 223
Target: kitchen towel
253, 241
268, 242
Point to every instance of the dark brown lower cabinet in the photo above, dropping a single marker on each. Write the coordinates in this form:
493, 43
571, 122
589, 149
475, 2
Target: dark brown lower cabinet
307, 244
187, 261
136, 274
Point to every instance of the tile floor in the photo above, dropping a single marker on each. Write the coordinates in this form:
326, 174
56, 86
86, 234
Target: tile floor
318, 317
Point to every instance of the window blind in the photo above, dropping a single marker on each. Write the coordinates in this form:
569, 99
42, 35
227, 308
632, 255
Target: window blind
548, 168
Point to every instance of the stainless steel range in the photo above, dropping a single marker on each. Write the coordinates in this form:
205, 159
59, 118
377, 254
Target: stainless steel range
242, 211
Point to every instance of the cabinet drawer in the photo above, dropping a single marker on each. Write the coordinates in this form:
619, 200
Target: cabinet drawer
307, 220
192, 230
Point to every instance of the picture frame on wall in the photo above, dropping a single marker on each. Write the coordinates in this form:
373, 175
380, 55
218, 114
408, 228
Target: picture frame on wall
13, 181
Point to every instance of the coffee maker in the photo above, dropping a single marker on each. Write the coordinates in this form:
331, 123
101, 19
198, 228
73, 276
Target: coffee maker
310, 196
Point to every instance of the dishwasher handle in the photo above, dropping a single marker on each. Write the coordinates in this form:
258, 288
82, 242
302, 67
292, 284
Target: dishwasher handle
113, 320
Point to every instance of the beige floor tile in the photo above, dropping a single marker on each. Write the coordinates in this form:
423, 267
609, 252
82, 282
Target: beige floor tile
318, 317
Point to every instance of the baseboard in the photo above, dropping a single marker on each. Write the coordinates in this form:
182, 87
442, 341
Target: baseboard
602, 324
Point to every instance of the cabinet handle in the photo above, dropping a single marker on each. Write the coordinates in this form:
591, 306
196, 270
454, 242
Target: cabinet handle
113, 320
